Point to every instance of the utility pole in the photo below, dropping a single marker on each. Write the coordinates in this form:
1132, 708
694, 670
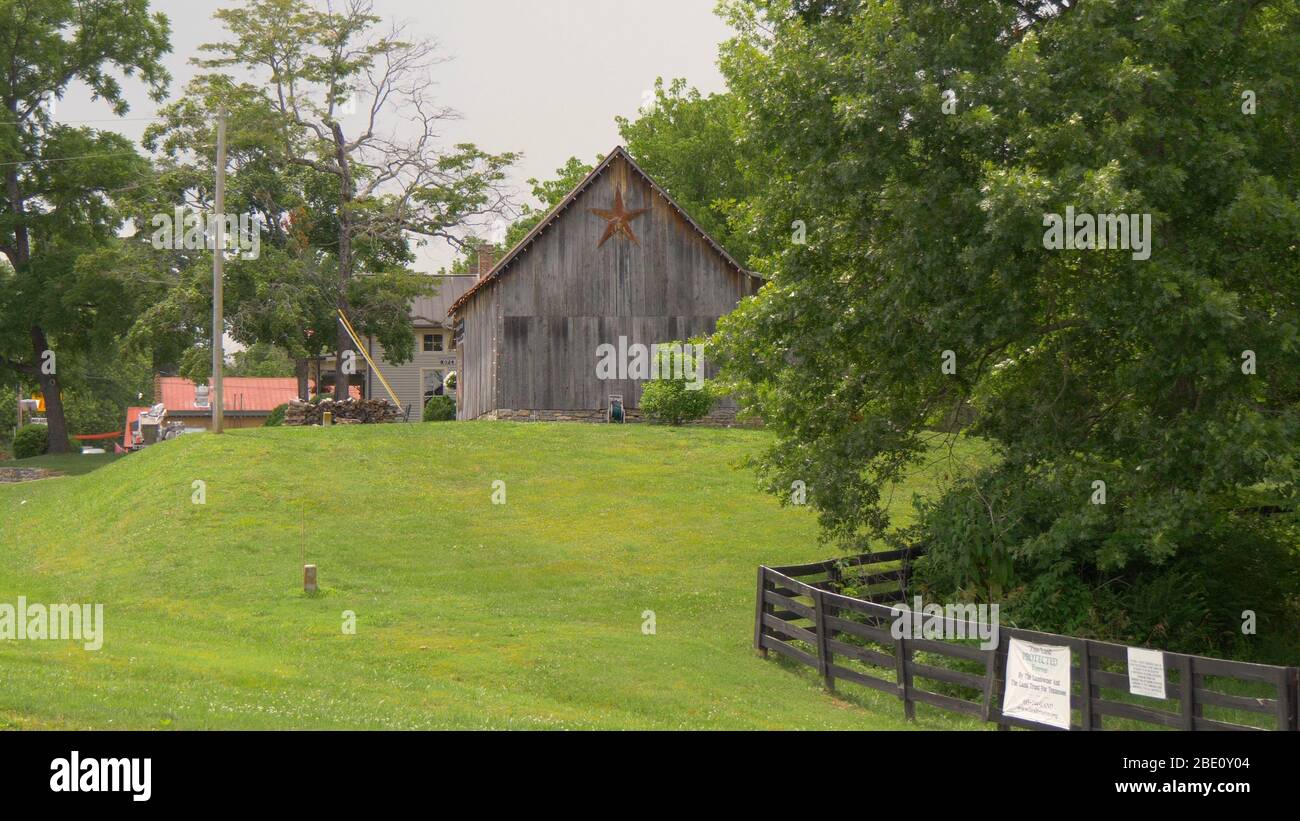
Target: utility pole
218, 320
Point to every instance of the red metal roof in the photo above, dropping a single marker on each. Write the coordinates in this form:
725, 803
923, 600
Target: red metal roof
241, 393
128, 436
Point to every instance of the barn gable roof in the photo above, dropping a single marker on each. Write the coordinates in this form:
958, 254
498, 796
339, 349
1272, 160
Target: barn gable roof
501, 267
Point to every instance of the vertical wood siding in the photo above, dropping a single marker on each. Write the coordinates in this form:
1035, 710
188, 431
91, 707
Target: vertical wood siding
531, 337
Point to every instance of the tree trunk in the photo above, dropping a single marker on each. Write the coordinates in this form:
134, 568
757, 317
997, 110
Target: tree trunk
339, 386
57, 425
300, 373
341, 379
20, 256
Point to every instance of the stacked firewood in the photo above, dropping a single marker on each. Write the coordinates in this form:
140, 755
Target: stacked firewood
347, 412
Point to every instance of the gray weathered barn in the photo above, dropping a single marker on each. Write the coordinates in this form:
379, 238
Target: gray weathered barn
615, 258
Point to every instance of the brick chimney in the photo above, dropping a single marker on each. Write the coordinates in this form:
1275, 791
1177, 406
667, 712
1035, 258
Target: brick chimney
487, 258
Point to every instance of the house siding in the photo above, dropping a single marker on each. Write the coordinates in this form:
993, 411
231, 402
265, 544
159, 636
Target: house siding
405, 378
428, 315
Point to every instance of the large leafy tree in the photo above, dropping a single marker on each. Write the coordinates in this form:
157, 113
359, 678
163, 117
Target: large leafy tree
922, 143
352, 105
288, 294
688, 142
60, 182
547, 192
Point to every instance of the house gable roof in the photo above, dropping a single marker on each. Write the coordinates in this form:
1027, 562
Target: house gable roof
619, 152
432, 311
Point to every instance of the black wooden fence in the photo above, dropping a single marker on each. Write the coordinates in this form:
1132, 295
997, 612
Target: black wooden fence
803, 614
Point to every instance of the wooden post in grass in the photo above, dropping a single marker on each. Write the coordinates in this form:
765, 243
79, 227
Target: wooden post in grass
903, 672
309, 578
824, 658
1186, 694
1294, 690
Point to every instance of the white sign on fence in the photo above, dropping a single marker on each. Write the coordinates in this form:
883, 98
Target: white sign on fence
1038, 683
1146, 672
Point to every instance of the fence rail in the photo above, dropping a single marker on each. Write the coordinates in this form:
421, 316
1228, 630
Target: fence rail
803, 614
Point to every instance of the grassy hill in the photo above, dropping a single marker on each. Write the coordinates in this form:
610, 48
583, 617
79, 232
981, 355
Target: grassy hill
468, 614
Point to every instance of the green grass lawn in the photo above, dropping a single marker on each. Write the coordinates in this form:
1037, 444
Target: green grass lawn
468, 614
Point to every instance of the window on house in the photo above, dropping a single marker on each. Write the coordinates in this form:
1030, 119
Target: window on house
437, 342
428, 342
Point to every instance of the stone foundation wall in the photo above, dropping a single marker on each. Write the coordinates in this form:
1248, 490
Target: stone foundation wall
8, 475
717, 418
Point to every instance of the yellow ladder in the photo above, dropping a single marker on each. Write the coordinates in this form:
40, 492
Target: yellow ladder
356, 340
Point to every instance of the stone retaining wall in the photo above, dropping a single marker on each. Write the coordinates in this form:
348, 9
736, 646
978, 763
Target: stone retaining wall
10, 474
717, 418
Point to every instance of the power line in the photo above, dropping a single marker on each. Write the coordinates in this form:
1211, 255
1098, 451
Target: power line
67, 159
91, 120
81, 157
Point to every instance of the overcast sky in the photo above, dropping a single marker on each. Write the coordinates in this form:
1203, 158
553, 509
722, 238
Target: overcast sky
544, 77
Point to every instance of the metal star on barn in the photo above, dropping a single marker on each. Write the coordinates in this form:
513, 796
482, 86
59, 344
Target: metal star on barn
618, 220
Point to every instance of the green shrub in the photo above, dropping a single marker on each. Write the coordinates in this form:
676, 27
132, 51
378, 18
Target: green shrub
1069, 581
439, 409
30, 440
275, 418
672, 398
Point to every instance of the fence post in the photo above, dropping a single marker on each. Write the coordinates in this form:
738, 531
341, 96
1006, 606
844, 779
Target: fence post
1000, 674
990, 682
835, 577
759, 610
823, 640
1285, 713
903, 666
1294, 698
1085, 688
906, 580
1187, 692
